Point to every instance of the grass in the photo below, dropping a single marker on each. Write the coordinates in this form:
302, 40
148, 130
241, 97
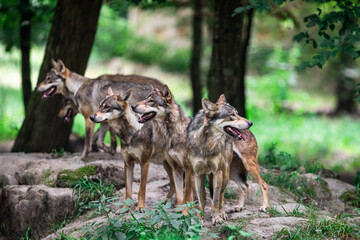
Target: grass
234, 232
87, 190
321, 229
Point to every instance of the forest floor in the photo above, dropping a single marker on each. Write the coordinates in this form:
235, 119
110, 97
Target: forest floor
22, 174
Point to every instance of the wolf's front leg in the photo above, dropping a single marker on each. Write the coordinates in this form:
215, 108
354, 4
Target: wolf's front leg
143, 180
89, 132
215, 205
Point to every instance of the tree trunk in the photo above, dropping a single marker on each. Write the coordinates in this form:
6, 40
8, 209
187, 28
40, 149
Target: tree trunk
25, 41
243, 60
195, 72
226, 70
71, 39
345, 84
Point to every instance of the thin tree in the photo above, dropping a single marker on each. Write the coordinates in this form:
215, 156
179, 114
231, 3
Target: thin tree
25, 42
195, 71
71, 39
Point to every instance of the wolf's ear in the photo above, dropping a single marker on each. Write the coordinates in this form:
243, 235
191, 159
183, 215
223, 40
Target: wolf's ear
208, 106
166, 93
54, 63
125, 96
221, 99
61, 67
110, 91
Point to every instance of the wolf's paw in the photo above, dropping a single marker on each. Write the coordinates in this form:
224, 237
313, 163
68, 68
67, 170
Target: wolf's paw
263, 208
217, 220
239, 208
224, 216
139, 209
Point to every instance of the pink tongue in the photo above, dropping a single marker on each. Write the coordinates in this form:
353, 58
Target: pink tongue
243, 136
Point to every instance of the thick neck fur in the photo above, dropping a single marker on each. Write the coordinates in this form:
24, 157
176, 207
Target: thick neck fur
172, 127
126, 127
74, 81
204, 139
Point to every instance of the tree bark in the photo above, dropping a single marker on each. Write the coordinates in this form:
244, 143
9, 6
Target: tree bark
345, 84
71, 38
226, 73
25, 44
195, 71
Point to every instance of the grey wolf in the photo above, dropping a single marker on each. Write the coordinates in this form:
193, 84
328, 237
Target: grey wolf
137, 144
210, 151
169, 127
169, 122
87, 93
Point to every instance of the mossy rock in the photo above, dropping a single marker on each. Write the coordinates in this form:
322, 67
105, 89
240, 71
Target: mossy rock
67, 178
352, 197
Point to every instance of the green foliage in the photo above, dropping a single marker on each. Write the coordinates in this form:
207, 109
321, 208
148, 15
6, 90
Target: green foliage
27, 234
323, 229
234, 232
291, 182
337, 30
352, 196
72, 177
59, 225
295, 212
286, 162
41, 11
157, 223
57, 154
273, 212
87, 190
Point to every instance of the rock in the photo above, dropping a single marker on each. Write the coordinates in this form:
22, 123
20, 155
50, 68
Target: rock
337, 187
266, 228
317, 185
107, 172
334, 206
110, 173
37, 207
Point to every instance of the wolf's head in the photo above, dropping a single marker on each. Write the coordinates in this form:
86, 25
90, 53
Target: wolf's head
54, 82
223, 117
68, 110
155, 105
112, 107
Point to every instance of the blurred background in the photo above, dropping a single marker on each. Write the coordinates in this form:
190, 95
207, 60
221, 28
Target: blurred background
296, 103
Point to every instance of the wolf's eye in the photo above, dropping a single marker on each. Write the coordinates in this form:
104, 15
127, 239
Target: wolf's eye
233, 115
151, 100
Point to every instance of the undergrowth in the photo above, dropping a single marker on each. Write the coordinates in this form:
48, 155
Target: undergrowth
87, 190
336, 228
159, 223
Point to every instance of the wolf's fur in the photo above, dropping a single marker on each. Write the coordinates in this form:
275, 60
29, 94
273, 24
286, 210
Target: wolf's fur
87, 93
137, 144
169, 127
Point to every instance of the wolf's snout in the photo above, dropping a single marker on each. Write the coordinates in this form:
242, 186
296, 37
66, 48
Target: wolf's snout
250, 123
92, 118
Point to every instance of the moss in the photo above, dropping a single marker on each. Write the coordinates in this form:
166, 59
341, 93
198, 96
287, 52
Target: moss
69, 177
351, 196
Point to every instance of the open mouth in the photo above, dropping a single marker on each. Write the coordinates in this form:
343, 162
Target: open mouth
48, 93
146, 117
235, 133
68, 116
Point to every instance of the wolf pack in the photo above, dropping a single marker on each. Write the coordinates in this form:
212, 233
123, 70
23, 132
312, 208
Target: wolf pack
216, 144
